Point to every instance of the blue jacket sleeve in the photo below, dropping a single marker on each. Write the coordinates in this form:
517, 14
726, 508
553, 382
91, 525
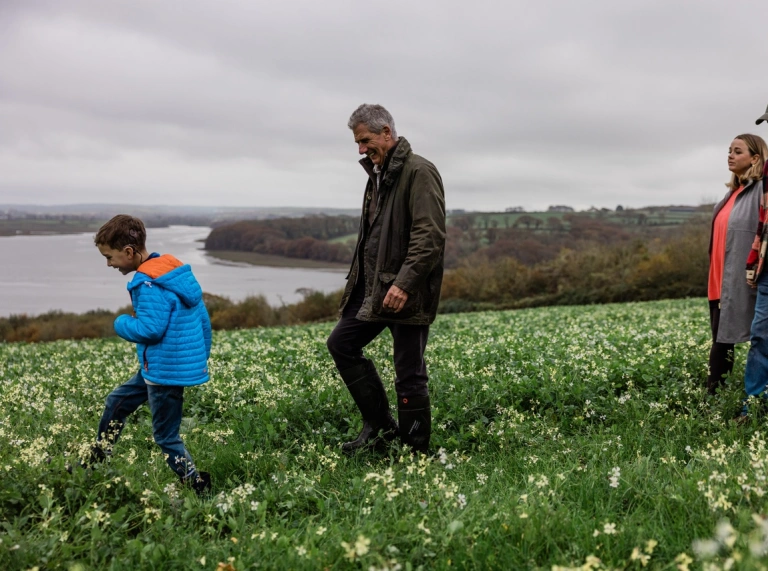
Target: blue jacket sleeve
206, 321
153, 313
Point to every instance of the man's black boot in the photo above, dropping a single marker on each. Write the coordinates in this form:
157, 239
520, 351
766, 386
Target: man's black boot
415, 416
365, 386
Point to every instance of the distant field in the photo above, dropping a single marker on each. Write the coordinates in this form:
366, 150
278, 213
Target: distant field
641, 217
655, 217
343, 239
564, 438
42, 226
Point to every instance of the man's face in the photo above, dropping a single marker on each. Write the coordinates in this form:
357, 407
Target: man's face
374, 146
123, 260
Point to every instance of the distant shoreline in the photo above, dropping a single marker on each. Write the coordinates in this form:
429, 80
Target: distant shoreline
10, 228
7, 231
255, 259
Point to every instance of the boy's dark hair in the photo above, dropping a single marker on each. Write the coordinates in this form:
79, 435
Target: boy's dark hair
122, 231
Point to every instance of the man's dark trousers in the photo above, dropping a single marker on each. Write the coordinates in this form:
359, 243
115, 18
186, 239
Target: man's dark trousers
351, 335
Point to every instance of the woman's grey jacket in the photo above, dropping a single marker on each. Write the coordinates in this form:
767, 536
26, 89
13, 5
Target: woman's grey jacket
737, 299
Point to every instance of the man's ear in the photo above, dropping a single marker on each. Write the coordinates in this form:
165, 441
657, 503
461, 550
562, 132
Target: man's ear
386, 131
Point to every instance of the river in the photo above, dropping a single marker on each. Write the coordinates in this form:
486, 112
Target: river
66, 272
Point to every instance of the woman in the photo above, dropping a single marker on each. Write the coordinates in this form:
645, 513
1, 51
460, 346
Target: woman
731, 299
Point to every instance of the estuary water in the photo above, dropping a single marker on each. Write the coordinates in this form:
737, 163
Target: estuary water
66, 272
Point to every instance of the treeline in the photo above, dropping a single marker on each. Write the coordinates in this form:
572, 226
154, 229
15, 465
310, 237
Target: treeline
302, 238
591, 263
13, 223
623, 269
531, 245
529, 240
251, 312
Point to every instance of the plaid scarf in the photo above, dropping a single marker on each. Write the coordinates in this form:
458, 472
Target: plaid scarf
756, 258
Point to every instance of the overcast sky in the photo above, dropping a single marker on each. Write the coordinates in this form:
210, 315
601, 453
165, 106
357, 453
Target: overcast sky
245, 102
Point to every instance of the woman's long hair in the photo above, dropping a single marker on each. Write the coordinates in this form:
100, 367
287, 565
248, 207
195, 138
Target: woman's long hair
756, 146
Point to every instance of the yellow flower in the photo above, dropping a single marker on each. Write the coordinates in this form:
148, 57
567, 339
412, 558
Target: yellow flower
683, 561
350, 552
638, 556
361, 545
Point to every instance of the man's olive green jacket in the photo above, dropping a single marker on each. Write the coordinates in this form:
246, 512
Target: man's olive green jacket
405, 243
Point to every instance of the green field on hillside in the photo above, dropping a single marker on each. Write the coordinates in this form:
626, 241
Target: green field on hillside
641, 217
564, 437
48, 226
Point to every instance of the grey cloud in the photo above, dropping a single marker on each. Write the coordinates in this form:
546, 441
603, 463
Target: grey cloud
588, 103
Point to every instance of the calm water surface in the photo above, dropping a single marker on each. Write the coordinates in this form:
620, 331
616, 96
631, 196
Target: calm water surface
42, 273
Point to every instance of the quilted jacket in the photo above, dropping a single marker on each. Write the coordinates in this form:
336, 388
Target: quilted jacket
170, 325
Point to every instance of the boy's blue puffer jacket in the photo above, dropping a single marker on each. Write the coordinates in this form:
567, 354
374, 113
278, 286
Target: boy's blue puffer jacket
170, 325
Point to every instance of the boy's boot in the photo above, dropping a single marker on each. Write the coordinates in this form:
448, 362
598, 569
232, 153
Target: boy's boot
364, 384
415, 416
96, 455
200, 482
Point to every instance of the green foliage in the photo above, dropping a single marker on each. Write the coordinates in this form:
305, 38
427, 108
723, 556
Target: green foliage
565, 437
606, 273
253, 311
303, 238
609, 272
59, 325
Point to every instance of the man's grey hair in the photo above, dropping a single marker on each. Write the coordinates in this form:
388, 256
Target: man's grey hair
374, 117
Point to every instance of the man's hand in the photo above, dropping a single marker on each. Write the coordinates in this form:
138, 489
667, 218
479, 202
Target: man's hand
395, 298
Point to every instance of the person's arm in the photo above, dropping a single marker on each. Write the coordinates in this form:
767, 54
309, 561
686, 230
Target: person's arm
427, 237
153, 313
758, 245
206, 320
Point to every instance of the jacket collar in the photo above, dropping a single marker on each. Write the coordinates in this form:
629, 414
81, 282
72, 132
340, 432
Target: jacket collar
746, 187
394, 162
156, 265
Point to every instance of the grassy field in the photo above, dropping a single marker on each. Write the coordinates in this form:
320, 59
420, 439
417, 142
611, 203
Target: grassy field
570, 437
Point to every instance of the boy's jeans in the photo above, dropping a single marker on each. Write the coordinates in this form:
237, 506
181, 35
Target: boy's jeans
756, 373
165, 404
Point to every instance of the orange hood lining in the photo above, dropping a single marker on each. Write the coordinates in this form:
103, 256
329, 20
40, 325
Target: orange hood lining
157, 267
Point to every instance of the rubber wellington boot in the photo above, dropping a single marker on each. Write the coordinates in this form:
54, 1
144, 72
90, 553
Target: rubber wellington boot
364, 384
415, 416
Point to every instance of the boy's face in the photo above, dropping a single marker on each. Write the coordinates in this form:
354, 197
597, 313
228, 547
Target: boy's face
124, 260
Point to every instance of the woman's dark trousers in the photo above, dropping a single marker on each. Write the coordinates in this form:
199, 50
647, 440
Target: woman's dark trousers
720, 355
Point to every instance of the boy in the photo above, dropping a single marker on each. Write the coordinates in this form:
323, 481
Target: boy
172, 332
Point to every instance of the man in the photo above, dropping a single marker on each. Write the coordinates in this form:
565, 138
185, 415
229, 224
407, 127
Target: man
394, 282
756, 370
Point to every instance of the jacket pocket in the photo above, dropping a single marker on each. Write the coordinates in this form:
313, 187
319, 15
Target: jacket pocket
412, 305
